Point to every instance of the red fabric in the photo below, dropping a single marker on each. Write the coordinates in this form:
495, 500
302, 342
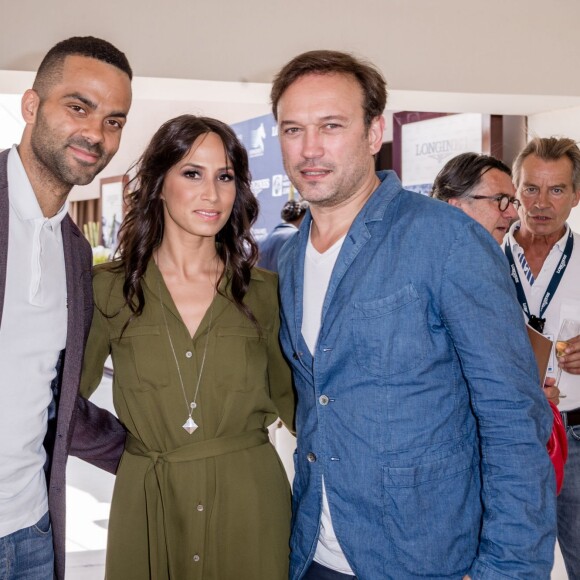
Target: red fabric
558, 447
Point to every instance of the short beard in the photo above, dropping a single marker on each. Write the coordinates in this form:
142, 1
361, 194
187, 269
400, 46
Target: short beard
52, 155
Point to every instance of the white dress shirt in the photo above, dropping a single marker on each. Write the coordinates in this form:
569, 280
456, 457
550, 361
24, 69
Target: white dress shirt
565, 303
32, 334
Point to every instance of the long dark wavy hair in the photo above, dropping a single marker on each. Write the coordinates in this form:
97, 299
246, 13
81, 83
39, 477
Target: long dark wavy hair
142, 229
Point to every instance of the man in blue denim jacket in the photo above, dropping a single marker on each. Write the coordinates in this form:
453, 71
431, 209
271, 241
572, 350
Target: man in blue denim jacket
421, 424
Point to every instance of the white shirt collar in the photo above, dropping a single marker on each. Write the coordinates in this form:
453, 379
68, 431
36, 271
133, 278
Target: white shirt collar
560, 244
21, 195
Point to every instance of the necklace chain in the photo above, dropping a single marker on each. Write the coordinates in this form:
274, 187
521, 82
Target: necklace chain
190, 425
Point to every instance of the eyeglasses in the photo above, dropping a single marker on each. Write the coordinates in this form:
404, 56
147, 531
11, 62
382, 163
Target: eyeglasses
503, 200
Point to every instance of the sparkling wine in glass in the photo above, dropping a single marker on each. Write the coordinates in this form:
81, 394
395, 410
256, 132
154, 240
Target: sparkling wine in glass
569, 329
561, 348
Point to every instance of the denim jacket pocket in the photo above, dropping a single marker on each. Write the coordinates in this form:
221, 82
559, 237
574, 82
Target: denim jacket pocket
431, 513
138, 362
390, 334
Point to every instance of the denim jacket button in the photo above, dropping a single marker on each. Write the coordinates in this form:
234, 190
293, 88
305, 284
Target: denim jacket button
323, 400
311, 457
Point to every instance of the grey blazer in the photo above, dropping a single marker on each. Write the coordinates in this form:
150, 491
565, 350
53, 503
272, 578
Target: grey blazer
80, 428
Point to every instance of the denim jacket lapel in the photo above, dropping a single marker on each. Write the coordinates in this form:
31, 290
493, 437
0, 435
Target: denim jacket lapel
359, 233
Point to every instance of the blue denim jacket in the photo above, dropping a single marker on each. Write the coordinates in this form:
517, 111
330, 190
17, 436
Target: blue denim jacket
432, 439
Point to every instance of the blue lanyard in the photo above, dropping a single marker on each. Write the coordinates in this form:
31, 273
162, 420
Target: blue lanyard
537, 322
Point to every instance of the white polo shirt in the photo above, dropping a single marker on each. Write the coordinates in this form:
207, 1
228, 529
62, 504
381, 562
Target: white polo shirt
32, 334
564, 304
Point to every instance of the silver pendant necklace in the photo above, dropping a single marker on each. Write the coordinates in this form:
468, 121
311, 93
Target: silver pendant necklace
190, 425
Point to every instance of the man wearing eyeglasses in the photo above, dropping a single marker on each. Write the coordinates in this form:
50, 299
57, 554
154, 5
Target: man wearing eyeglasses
481, 186
544, 256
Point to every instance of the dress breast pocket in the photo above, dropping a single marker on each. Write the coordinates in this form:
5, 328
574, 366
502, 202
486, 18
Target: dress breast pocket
390, 334
140, 358
241, 358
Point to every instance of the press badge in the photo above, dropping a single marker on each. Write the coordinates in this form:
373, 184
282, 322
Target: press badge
552, 361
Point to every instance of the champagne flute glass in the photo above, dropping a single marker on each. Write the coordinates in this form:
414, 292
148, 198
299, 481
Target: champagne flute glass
569, 329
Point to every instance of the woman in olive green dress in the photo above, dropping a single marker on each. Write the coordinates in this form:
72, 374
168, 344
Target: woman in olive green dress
192, 328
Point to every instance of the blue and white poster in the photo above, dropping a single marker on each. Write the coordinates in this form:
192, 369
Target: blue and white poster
270, 183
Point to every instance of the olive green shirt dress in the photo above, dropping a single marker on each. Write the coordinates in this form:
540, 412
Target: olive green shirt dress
213, 505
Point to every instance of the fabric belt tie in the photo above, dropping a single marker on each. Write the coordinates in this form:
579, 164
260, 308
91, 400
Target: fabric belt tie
157, 487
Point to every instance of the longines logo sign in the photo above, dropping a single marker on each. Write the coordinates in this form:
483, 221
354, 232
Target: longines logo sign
440, 150
428, 145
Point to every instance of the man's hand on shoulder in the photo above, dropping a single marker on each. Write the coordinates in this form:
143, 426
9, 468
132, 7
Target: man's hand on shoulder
570, 362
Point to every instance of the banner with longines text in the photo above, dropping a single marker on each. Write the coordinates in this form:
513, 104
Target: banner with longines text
427, 145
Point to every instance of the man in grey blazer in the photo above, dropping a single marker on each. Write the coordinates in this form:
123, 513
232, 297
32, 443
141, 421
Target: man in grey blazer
74, 117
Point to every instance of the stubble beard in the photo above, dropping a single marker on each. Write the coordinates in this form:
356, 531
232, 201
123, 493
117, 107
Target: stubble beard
51, 156
345, 186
